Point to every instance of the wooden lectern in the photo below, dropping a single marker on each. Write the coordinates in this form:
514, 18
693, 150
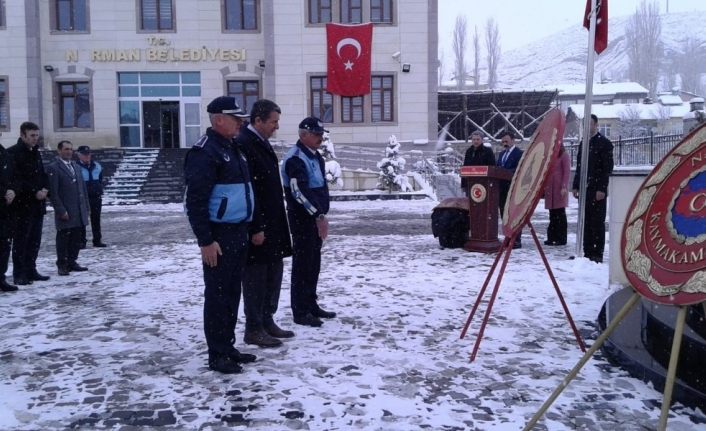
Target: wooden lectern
482, 189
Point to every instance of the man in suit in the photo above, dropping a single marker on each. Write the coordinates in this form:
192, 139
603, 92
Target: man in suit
28, 209
68, 196
508, 159
270, 241
600, 166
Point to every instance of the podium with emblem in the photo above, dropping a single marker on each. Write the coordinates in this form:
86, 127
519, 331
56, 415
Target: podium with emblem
481, 185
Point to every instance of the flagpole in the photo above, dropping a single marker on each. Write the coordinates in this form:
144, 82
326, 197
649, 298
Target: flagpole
586, 128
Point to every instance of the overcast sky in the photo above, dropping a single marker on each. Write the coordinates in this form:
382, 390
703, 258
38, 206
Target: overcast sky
523, 21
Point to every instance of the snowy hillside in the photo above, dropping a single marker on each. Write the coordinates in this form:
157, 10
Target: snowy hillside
561, 58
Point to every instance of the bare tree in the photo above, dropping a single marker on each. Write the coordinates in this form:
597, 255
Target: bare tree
691, 62
492, 46
442, 66
630, 122
476, 58
644, 45
459, 48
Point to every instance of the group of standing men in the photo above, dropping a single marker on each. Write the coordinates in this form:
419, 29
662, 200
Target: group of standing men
235, 205
25, 186
599, 168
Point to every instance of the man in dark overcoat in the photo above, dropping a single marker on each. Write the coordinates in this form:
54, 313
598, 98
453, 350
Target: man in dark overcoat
270, 240
600, 166
7, 195
69, 197
28, 209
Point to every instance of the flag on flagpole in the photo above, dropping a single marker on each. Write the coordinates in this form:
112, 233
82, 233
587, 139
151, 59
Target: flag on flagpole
348, 58
601, 23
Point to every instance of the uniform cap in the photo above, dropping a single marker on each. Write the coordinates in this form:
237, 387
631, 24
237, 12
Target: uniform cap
312, 125
84, 149
226, 105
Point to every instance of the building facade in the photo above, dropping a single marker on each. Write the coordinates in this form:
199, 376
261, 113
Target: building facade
138, 73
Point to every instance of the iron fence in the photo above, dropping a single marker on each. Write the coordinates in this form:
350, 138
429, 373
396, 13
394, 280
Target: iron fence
638, 150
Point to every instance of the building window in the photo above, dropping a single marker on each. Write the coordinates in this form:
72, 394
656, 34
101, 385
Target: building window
381, 11
74, 105
240, 15
2, 14
320, 99
245, 92
352, 109
70, 15
157, 15
351, 11
4, 105
320, 11
381, 98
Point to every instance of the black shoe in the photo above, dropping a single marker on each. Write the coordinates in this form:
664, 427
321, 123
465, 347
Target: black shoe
63, 271
224, 364
308, 320
547, 242
76, 267
277, 332
319, 312
99, 244
241, 358
38, 277
517, 245
22, 281
7, 287
260, 338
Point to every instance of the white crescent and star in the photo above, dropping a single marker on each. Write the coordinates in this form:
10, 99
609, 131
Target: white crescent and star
352, 42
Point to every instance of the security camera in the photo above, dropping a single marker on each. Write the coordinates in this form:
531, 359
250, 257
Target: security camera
396, 55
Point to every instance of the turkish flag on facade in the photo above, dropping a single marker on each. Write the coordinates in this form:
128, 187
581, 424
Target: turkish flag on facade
349, 51
601, 23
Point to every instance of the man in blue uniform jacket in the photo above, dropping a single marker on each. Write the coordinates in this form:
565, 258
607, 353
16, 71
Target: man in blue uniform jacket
307, 196
219, 204
509, 159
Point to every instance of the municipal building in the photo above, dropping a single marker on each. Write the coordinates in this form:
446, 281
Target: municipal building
139, 73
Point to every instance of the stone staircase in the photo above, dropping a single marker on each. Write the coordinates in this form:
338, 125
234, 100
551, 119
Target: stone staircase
130, 176
165, 182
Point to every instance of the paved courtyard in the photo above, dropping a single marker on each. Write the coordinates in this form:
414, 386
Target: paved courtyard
121, 346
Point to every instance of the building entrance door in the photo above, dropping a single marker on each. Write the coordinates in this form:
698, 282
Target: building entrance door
160, 120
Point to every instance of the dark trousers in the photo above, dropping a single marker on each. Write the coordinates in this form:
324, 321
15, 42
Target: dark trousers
556, 231
95, 202
68, 244
222, 287
594, 228
5, 244
26, 240
262, 283
306, 265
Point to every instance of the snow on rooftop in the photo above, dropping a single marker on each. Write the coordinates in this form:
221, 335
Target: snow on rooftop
652, 111
600, 89
670, 99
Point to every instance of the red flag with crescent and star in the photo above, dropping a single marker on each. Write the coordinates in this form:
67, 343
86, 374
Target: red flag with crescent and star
601, 23
349, 53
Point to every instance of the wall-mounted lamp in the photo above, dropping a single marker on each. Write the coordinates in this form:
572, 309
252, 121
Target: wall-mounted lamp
48, 67
261, 63
396, 55
406, 67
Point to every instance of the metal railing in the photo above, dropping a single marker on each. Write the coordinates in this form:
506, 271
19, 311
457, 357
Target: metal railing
639, 150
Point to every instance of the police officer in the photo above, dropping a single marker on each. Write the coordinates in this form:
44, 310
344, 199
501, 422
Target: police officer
219, 205
92, 173
307, 196
7, 195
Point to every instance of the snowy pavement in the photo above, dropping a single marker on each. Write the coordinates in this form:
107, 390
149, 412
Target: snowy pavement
122, 346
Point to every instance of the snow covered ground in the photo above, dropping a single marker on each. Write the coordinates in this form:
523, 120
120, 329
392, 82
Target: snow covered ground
122, 345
